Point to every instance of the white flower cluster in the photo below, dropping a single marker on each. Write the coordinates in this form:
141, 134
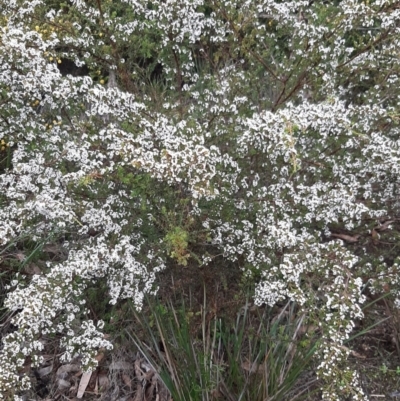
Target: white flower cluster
274, 129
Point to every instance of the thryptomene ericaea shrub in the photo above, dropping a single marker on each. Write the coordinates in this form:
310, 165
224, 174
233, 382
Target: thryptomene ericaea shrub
268, 129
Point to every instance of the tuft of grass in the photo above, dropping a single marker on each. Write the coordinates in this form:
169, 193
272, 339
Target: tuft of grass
260, 356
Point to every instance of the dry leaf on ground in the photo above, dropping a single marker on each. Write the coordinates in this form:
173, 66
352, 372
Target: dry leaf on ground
83, 383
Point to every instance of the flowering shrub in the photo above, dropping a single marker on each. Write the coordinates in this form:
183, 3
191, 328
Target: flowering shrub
269, 129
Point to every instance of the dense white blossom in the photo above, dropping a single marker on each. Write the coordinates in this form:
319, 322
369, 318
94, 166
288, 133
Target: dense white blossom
282, 142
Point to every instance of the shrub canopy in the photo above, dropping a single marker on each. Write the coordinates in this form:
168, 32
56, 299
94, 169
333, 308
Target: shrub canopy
136, 134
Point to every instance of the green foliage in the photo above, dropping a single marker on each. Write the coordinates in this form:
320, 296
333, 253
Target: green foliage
177, 242
242, 361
